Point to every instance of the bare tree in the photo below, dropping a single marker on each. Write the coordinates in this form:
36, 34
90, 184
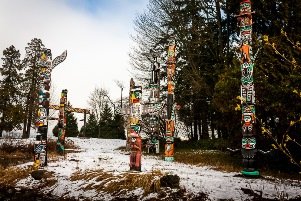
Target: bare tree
97, 101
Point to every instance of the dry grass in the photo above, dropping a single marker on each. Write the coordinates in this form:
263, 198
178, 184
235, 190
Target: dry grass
51, 145
148, 182
48, 179
18, 153
223, 161
7, 160
97, 175
10, 176
216, 159
279, 175
107, 182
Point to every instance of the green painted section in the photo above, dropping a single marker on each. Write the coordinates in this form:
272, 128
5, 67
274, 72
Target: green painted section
250, 173
169, 159
60, 148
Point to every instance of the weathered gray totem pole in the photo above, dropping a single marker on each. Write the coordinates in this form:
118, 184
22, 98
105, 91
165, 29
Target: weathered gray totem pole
249, 148
170, 121
153, 108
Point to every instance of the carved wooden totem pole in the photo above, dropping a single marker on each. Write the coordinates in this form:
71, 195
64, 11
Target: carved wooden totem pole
249, 148
153, 108
45, 64
135, 127
40, 146
170, 121
62, 122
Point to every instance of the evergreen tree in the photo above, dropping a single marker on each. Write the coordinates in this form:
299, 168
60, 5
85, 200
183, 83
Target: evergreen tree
106, 114
92, 126
10, 91
105, 122
118, 127
101, 122
71, 125
33, 53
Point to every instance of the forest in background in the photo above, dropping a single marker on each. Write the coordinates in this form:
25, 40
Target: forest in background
208, 74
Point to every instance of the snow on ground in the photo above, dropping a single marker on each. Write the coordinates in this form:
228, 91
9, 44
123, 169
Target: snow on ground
99, 154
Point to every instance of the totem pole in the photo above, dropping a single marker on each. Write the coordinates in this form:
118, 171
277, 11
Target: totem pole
40, 145
170, 121
135, 127
60, 145
249, 148
154, 107
128, 126
45, 65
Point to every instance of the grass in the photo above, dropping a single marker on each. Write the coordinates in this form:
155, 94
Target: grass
223, 161
280, 175
118, 184
216, 159
18, 153
10, 176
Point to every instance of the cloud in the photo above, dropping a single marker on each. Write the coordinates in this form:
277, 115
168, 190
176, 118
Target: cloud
96, 36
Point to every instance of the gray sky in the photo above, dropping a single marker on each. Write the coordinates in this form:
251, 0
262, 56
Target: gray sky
96, 34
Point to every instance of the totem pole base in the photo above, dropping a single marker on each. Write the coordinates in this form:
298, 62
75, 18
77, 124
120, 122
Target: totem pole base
169, 158
254, 173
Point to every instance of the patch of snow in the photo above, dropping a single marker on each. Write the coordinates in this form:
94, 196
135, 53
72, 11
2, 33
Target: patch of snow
101, 154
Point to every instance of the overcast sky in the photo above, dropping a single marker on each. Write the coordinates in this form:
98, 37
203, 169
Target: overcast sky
96, 34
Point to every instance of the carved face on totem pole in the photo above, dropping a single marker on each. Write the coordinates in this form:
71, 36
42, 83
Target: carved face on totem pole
248, 143
169, 150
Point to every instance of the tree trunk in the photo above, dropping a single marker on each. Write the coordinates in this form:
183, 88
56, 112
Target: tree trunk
219, 24
204, 125
219, 133
228, 33
31, 102
25, 119
28, 126
200, 133
195, 130
2, 124
191, 131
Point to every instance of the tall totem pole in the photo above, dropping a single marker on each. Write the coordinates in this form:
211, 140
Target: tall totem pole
153, 107
45, 65
170, 121
135, 127
60, 145
249, 148
40, 145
